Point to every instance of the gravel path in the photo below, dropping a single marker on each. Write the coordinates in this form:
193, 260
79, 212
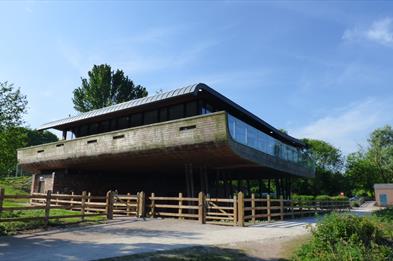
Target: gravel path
131, 236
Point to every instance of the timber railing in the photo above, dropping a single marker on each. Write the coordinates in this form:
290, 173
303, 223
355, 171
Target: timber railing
82, 206
238, 210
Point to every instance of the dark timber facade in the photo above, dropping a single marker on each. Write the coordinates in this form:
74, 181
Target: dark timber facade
188, 140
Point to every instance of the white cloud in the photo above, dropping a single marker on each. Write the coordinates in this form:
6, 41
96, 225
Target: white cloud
380, 31
349, 127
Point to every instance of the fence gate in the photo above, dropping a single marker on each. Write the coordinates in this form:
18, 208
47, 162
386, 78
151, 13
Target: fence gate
127, 204
221, 211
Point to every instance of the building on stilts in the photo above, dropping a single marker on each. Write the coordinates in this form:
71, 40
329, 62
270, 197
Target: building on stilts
187, 140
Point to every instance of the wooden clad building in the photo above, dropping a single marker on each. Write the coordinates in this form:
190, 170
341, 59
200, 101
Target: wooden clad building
187, 140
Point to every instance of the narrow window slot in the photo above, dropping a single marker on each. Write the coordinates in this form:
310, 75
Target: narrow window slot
91, 141
40, 151
118, 137
60, 145
187, 127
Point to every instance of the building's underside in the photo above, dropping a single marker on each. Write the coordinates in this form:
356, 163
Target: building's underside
188, 155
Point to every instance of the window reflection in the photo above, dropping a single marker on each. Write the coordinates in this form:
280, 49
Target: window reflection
250, 136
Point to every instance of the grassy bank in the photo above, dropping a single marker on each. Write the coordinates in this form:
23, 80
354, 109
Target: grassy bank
21, 186
341, 237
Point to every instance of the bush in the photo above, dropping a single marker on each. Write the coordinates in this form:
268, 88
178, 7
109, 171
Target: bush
339, 198
385, 215
323, 198
302, 197
346, 237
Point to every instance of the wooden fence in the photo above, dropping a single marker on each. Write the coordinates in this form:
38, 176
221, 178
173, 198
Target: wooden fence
85, 204
223, 211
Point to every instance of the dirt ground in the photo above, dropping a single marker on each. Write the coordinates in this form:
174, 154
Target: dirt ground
281, 248
130, 236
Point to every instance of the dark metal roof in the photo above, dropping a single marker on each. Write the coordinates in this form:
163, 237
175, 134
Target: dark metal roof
120, 107
188, 90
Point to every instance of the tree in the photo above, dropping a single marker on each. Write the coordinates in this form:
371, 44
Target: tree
35, 137
105, 87
328, 176
12, 105
326, 156
374, 164
381, 152
11, 139
362, 173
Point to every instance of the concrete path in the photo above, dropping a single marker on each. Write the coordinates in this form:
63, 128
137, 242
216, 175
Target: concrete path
130, 236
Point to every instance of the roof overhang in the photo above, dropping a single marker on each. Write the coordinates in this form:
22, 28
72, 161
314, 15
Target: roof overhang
192, 90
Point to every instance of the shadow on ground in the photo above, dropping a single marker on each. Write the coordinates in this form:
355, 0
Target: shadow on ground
199, 253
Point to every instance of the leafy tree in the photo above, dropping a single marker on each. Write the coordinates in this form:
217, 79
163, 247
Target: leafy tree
328, 176
381, 152
11, 139
362, 173
326, 156
35, 137
12, 105
373, 164
105, 87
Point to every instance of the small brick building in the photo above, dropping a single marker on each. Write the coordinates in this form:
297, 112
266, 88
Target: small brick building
384, 194
187, 140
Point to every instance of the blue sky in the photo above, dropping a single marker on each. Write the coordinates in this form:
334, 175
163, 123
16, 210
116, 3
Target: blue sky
318, 70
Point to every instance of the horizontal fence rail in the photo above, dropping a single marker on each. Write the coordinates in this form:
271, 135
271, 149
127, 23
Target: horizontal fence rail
237, 210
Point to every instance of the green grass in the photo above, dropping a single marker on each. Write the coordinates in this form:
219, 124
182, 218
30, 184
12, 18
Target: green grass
21, 186
16, 185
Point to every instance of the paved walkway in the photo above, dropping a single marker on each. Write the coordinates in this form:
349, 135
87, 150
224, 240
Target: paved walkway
130, 236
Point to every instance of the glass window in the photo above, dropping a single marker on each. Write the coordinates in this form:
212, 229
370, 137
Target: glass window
250, 136
151, 117
136, 120
191, 109
176, 112
122, 123
207, 108
83, 130
93, 128
113, 124
104, 126
163, 114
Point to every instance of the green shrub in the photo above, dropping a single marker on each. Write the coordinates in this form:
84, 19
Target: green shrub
339, 198
355, 204
302, 197
346, 237
385, 215
323, 198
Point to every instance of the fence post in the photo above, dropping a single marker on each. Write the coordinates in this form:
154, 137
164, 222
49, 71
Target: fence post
180, 212
153, 205
109, 205
72, 199
253, 207
235, 210
201, 208
128, 202
141, 211
88, 202
282, 207
2, 192
83, 205
47, 207
240, 209
269, 211
137, 205
57, 198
